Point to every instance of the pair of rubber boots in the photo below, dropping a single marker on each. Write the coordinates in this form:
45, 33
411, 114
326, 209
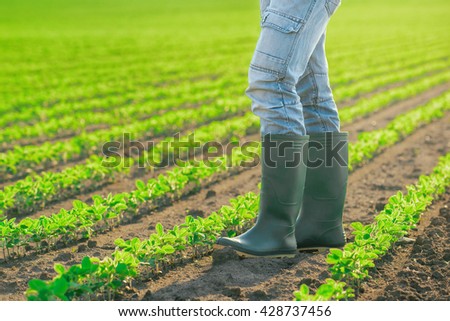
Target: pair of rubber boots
304, 183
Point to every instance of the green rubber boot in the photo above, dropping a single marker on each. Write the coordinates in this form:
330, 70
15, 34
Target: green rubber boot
319, 225
283, 178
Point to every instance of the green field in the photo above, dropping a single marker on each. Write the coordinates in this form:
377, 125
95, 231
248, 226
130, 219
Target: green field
77, 74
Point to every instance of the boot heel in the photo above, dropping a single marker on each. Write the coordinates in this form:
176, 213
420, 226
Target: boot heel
274, 256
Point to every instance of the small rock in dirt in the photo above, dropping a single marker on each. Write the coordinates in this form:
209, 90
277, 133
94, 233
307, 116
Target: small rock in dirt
422, 276
210, 194
91, 244
147, 296
324, 275
446, 256
379, 206
196, 213
445, 212
233, 293
437, 275
258, 295
44, 276
81, 248
390, 287
436, 221
36, 269
59, 244
314, 283
421, 240
64, 257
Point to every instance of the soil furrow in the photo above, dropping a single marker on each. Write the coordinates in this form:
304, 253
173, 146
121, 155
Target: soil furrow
123, 184
418, 270
379, 119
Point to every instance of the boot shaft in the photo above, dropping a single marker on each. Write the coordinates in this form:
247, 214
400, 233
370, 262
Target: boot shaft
283, 176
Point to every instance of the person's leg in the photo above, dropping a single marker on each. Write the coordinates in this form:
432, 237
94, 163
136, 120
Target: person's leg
290, 33
319, 108
319, 224
263, 5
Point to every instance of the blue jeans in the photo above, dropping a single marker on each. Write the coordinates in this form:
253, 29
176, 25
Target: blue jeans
288, 75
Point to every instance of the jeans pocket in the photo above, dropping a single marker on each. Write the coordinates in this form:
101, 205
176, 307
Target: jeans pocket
275, 44
331, 6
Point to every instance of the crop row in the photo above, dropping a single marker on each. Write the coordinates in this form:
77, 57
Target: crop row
139, 97
136, 81
368, 85
201, 92
129, 96
161, 250
198, 93
128, 92
21, 159
132, 65
351, 265
33, 192
367, 106
398, 60
369, 143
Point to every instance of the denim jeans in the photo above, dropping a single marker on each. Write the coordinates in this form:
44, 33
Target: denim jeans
288, 75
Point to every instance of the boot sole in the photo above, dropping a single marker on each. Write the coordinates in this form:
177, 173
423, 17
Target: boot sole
242, 254
274, 256
319, 249
314, 249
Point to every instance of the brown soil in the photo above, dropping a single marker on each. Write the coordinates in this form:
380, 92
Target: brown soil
418, 270
223, 275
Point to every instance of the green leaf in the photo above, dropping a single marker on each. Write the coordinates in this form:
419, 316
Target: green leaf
60, 286
357, 226
37, 285
59, 268
325, 290
86, 264
304, 290
140, 185
122, 269
159, 229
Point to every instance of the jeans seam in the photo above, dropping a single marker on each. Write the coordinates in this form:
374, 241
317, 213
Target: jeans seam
297, 35
286, 116
316, 100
